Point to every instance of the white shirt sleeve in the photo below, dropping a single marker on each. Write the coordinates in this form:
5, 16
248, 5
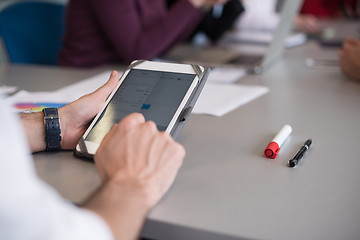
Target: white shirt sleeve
29, 208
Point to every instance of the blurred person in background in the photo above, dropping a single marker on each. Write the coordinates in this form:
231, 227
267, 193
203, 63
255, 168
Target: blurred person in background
349, 53
263, 15
119, 31
314, 10
331, 8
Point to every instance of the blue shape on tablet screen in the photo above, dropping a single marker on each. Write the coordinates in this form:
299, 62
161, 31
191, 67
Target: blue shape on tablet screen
145, 106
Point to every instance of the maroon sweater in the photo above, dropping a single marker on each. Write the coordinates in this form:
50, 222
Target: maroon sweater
110, 31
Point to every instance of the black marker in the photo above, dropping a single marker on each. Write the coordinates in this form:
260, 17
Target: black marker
300, 153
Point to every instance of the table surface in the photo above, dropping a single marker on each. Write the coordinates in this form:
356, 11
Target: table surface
226, 188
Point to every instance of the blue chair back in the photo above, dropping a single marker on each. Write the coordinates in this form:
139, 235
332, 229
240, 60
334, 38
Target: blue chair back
32, 31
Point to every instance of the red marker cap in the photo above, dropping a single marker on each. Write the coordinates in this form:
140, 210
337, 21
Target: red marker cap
272, 150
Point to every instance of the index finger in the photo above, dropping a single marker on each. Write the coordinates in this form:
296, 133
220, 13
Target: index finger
126, 124
130, 121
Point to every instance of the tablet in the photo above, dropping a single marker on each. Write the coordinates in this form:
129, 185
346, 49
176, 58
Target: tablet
163, 92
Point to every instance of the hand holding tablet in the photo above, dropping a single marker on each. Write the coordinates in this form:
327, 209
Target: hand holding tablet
162, 92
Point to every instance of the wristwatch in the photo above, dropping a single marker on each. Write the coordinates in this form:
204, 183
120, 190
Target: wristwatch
52, 129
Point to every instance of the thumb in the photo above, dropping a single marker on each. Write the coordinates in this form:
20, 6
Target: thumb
104, 91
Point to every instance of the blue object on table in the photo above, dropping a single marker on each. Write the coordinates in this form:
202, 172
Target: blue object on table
32, 31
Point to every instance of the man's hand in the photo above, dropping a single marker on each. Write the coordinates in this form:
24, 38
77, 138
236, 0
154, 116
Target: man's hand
76, 116
308, 24
349, 58
137, 165
135, 153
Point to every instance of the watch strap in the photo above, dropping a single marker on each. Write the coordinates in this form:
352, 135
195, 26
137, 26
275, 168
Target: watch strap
52, 129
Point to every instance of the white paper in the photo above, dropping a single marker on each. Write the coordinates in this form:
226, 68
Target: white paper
264, 37
250, 36
76, 90
226, 75
219, 99
215, 99
7, 89
62, 95
33, 97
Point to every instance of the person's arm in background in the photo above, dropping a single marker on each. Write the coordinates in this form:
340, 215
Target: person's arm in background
215, 26
349, 58
145, 29
308, 24
305, 21
136, 163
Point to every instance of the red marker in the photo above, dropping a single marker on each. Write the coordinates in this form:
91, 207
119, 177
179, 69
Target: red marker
273, 148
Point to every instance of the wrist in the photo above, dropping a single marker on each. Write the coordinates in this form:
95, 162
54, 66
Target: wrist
62, 118
34, 129
122, 207
136, 191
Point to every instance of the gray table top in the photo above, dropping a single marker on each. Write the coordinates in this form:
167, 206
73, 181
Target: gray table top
226, 189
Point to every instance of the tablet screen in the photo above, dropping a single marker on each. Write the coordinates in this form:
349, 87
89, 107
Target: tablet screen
155, 94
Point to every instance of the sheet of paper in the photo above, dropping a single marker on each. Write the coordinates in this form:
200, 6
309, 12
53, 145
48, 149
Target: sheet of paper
219, 99
35, 101
76, 90
264, 37
4, 89
215, 99
226, 75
